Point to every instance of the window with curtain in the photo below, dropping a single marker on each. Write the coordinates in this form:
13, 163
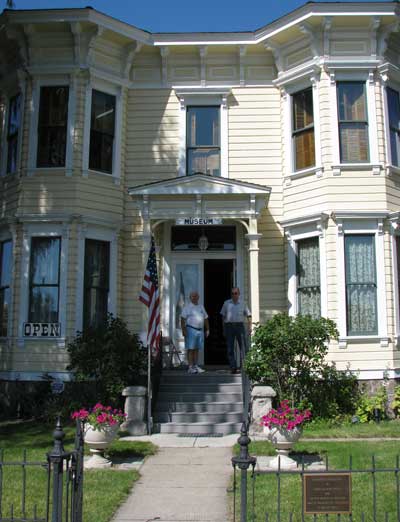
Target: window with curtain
353, 122
102, 131
44, 280
393, 101
203, 149
361, 287
52, 126
303, 129
96, 283
5, 283
308, 277
14, 123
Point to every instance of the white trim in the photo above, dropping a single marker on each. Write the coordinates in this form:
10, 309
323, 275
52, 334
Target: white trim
217, 96
98, 233
113, 89
296, 230
394, 235
43, 230
365, 224
38, 83
10, 235
4, 132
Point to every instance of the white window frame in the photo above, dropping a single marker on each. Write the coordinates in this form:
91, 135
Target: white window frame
101, 85
9, 234
358, 223
368, 77
395, 234
38, 83
295, 230
96, 233
204, 97
289, 89
4, 133
43, 230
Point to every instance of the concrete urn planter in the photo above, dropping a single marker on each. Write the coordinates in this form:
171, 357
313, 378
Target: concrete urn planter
283, 441
98, 441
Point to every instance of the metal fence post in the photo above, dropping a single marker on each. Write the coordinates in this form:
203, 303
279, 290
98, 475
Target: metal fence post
56, 458
243, 462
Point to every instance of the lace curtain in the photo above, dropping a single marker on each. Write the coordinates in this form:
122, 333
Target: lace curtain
361, 285
308, 277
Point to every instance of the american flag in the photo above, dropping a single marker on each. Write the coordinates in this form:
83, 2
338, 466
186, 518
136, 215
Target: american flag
150, 296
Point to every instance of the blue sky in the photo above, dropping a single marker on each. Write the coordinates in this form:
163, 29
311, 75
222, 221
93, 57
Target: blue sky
180, 15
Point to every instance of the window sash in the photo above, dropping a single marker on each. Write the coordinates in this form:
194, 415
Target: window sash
5, 282
361, 285
353, 122
102, 132
303, 129
393, 105
308, 277
96, 282
14, 123
52, 126
44, 279
203, 150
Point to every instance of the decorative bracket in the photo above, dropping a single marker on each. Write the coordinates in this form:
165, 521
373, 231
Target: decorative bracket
242, 54
96, 35
76, 30
277, 54
128, 55
203, 53
164, 51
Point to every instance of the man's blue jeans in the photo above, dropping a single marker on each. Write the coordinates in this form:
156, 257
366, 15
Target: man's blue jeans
235, 331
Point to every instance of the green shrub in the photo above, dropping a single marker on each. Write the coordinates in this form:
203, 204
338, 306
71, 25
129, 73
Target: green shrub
371, 404
288, 353
395, 404
110, 357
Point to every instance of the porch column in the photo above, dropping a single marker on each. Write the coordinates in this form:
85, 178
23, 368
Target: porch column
253, 238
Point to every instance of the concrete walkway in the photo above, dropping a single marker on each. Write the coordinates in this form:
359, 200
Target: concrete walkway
185, 481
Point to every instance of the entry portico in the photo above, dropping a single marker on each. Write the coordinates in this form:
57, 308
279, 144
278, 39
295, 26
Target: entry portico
204, 202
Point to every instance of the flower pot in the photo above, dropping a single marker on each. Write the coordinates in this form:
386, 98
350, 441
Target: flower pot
98, 441
283, 441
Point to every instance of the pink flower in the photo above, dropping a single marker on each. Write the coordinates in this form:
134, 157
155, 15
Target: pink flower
285, 417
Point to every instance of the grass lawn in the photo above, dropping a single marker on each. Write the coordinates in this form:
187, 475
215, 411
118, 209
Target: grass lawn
338, 454
325, 429
103, 491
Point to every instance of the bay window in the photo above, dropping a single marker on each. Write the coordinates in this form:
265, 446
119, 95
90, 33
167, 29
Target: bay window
303, 129
102, 132
308, 277
203, 150
5, 283
353, 122
44, 280
13, 130
361, 285
393, 102
96, 282
52, 126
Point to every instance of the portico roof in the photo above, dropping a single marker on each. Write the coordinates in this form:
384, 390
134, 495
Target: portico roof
201, 194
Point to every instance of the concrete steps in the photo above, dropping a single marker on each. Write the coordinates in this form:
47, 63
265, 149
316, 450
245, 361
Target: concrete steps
204, 404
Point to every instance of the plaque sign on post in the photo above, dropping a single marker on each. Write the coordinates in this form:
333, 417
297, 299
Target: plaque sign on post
327, 493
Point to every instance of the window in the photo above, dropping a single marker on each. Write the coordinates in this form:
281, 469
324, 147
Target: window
303, 130
102, 130
361, 285
203, 149
44, 280
96, 282
52, 127
393, 102
14, 122
188, 239
5, 282
353, 123
308, 277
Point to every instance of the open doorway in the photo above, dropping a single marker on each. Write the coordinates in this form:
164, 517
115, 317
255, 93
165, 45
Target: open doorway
218, 281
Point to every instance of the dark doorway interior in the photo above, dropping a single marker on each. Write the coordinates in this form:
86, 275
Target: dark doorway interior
218, 281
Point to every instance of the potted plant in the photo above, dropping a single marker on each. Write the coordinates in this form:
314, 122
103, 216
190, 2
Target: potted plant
101, 427
283, 427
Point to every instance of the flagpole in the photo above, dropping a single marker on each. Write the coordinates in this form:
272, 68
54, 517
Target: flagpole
149, 390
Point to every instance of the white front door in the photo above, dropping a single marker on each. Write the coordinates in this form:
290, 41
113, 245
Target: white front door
187, 277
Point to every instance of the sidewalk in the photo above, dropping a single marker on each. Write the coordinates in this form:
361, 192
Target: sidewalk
185, 481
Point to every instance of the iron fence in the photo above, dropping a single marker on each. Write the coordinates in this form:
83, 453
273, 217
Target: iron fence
40, 491
280, 495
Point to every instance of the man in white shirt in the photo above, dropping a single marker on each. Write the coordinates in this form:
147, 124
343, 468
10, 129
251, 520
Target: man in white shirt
234, 315
194, 319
